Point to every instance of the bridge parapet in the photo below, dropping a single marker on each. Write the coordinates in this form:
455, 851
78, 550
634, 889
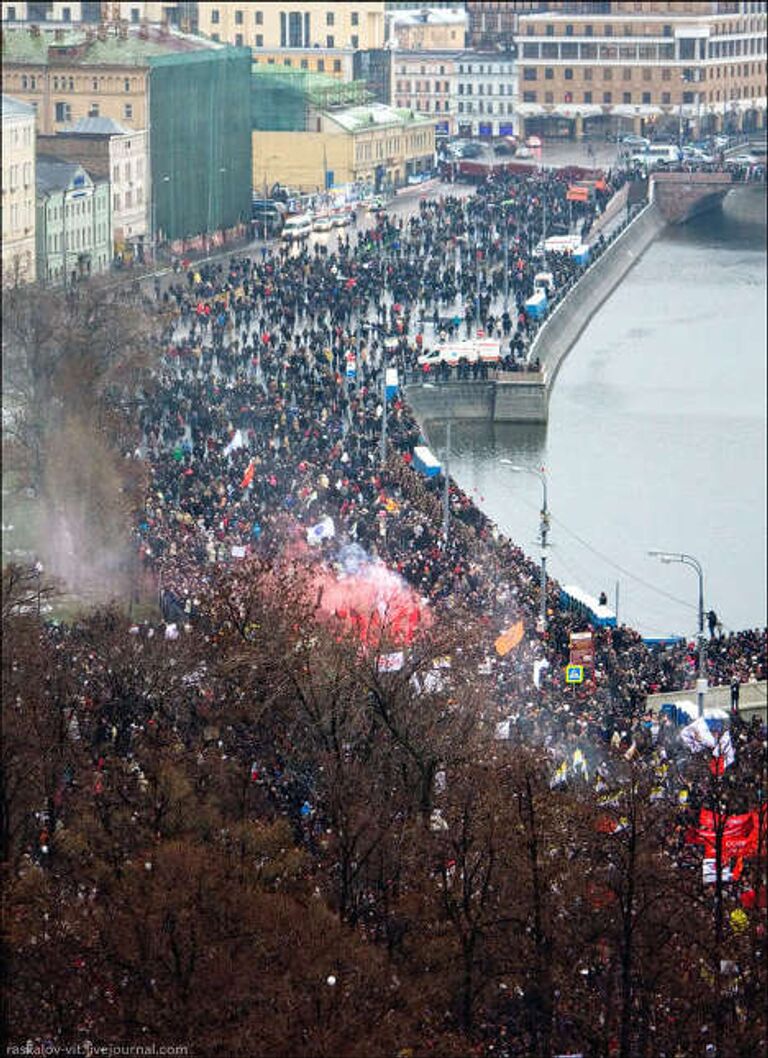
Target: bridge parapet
680, 196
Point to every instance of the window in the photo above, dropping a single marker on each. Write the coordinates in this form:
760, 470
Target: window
689, 97
589, 31
587, 97
126, 85
550, 31
666, 97
93, 111
529, 73
287, 62
549, 73
135, 15
238, 40
589, 51
215, 16
329, 41
354, 19
549, 97
608, 74
568, 97
259, 18
354, 41
549, 51
569, 31
569, 49
320, 65
646, 98
66, 14
530, 51
294, 29
568, 73
607, 97
63, 112
608, 31
128, 112
667, 31
337, 65
11, 14
666, 74
626, 97
529, 97
24, 80
259, 40
646, 74
330, 19
588, 73
95, 84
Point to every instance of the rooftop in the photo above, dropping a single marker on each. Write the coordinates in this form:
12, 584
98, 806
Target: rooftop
33, 44
97, 127
353, 119
14, 108
51, 174
440, 16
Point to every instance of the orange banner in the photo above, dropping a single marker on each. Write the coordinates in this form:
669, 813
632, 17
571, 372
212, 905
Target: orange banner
509, 639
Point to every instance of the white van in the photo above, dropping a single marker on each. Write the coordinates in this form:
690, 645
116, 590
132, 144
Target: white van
658, 153
298, 227
484, 350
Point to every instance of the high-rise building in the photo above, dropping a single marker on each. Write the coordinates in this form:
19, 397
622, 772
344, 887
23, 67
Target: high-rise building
355, 25
596, 68
18, 189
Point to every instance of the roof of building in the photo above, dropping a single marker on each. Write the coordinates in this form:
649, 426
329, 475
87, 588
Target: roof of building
354, 119
52, 174
15, 108
441, 16
100, 126
34, 45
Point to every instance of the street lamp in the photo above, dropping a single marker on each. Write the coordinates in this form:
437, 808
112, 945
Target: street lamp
446, 474
688, 560
543, 529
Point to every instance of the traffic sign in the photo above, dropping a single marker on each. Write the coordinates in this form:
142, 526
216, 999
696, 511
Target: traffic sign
574, 673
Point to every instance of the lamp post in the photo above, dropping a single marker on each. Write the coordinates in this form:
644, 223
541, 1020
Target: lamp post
543, 529
446, 473
688, 560
165, 179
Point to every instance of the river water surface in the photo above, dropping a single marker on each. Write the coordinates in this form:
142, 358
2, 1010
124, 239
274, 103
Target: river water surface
656, 438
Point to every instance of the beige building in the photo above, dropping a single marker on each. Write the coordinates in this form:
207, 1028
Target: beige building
637, 67
355, 25
430, 29
374, 144
336, 62
18, 192
425, 81
110, 151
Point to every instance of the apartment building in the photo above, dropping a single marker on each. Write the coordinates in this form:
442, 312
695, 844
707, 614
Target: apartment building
486, 93
110, 151
425, 82
355, 25
608, 67
18, 192
74, 227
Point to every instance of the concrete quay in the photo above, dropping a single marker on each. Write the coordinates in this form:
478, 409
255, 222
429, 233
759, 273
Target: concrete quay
752, 699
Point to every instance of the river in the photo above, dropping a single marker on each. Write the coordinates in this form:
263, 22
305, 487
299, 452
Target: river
656, 438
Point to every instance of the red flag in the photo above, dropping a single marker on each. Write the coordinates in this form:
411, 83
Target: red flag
248, 475
739, 834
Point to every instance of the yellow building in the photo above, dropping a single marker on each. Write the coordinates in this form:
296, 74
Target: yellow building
18, 192
371, 144
437, 29
336, 62
590, 67
355, 25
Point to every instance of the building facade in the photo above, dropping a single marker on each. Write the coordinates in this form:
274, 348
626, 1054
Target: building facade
109, 151
18, 192
494, 23
353, 25
486, 94
335, 62
431, 29
425, 82
156, 79
373, 145
74, 228
596, 68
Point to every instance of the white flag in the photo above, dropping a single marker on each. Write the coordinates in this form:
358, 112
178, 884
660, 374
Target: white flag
723, 751
697, 736
238, 441
709, 872
391, 662
324, 530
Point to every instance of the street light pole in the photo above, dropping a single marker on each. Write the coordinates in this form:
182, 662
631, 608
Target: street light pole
688, 560
543, 530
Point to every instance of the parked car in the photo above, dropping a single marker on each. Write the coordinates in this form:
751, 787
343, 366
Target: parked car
736, 161
633, 144
534, 141
695, 154
377, 204
322, 223
523, 152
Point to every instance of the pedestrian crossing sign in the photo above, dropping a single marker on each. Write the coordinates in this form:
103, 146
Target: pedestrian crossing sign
574, 673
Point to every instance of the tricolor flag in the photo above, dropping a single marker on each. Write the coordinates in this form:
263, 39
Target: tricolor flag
697, 736
560, 777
